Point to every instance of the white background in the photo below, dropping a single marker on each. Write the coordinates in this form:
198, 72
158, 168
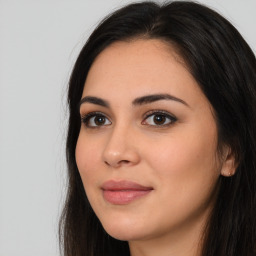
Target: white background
39, 41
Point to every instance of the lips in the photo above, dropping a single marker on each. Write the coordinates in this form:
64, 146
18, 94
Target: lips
123, 192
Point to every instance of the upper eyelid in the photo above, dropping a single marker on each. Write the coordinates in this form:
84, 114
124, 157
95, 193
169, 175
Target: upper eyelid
93, 113
144, 116
86, 117
150, 112
158, 111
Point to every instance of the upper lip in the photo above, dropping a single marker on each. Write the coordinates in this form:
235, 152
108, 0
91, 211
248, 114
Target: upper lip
123, 185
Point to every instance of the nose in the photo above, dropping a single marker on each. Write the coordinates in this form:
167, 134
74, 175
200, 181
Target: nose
120, 149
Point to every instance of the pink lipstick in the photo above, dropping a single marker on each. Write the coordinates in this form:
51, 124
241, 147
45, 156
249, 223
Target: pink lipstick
123, 192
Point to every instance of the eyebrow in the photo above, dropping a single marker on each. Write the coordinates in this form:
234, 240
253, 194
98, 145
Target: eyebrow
94, 100
136, 102
155, 97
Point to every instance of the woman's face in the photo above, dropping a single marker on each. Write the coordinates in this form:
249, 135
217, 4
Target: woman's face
147, 148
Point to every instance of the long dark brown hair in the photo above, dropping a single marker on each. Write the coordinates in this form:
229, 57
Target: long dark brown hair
225, 68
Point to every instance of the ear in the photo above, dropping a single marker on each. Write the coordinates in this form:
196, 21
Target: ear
229, 164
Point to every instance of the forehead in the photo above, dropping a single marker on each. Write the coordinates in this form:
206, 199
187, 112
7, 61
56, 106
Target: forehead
139, 67
121, 59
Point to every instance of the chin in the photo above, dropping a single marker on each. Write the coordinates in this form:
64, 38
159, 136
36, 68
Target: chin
124, 235
125, 231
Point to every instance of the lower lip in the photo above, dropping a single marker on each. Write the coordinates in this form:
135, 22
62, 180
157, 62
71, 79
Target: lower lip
121, 197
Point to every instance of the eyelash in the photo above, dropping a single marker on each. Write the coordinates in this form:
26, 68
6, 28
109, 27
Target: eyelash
161, 113
87, 118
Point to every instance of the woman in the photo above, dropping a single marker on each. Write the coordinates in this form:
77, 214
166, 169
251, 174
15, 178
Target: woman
161, 142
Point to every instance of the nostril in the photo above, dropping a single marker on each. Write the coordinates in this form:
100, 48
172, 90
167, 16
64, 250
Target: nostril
118, 163
116, 156
106, 163
125, 161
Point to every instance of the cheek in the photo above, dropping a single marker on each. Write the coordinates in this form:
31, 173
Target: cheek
87, 156
185, 156
87, 159
186, 170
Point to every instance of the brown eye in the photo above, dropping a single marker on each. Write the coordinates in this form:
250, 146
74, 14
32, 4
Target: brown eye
94, 120
159, 119
99, 120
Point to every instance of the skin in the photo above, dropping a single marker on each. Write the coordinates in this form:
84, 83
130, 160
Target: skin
178, 159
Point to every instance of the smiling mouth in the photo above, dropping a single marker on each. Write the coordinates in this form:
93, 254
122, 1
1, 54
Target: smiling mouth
123, 192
